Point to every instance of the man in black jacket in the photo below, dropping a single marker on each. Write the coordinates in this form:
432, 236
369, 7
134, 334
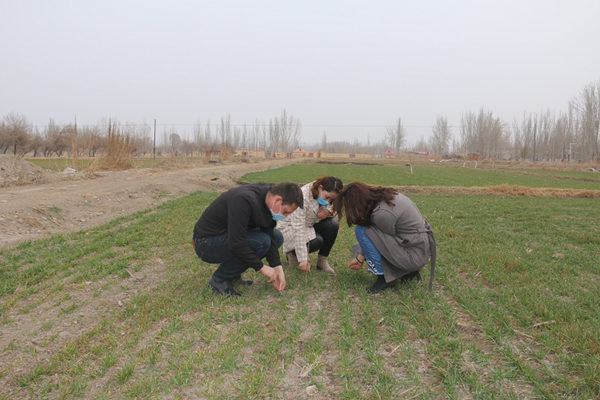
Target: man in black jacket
238, 229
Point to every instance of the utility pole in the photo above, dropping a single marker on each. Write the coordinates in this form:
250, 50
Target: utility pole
534, 137
74, 144
154, 148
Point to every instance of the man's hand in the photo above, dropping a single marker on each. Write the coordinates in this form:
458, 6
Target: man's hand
305, 266
275, 275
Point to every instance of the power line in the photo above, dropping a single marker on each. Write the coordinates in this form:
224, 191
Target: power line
262, 124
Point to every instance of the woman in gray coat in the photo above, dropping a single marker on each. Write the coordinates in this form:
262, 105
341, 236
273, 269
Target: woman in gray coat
393, 237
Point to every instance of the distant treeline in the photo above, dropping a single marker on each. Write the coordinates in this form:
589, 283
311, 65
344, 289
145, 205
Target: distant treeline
547, 136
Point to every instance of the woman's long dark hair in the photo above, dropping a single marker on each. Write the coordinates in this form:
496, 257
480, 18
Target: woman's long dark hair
329, 183
358, 200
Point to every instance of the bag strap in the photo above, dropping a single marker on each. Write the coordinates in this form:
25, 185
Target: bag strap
432, 248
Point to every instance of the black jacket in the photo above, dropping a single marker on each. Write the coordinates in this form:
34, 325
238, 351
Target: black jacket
235, 212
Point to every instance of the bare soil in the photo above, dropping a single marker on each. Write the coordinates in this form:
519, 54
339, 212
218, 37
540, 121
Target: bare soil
66, 202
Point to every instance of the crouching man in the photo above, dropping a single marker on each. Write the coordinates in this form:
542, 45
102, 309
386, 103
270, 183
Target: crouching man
237, 230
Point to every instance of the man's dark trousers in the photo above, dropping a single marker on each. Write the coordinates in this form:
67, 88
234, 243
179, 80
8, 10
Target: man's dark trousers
215, 249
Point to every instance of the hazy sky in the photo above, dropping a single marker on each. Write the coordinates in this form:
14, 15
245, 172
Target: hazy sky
349, 68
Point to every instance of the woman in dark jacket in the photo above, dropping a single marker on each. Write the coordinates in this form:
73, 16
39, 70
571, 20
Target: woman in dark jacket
393, 237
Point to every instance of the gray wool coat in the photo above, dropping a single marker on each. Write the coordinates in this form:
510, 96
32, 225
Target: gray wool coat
401, 235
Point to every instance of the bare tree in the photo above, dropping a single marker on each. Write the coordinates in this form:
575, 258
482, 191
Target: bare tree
324, 142
4, 142
91, 140
482, 133
421, 145
395, 136
558, 143
589, 108
284, 132
16, 133
274, 136
441, 136
59, 142
237, 134
524, 136
198, 133
243, 143
224, 130
290, 131
74, 145
208, 139
257, 136
176, 143
35, 143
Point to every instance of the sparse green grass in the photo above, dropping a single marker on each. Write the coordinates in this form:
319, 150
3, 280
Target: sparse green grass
59, 164
513, 313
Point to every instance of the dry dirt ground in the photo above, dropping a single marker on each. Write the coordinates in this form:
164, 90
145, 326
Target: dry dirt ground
70, 202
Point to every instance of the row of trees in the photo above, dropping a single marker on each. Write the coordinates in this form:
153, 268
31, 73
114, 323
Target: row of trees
19, 137
546, 136
573, 134
570, 135
280, 134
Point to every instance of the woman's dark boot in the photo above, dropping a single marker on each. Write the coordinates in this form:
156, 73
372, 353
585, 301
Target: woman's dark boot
416, 276
380, 284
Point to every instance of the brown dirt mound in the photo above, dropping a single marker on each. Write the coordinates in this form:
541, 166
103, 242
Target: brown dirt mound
17, 171
504, 190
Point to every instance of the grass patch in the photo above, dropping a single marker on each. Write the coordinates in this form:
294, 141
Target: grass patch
427, 175
59, 164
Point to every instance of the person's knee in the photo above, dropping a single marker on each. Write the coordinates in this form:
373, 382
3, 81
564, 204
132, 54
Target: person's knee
261, 245
332, 226
278, 238
199, 249
261, 242
316, 243
360, 231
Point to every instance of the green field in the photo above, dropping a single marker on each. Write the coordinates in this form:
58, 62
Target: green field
59, 164
427, 175
513, 313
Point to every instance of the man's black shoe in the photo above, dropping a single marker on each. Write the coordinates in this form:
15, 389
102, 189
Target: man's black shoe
380, 284
243, 281
223, 287
415, 275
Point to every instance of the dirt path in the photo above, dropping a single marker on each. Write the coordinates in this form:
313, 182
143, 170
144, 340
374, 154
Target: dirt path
38, 210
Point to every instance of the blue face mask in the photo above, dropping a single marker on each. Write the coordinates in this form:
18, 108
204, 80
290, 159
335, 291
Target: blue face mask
322, 201
277, 216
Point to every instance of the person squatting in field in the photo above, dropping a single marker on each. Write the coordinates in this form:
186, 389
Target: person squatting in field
237, 230
313, 227
393, 237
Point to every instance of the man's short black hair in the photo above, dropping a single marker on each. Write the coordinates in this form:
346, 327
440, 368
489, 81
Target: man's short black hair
290, 191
